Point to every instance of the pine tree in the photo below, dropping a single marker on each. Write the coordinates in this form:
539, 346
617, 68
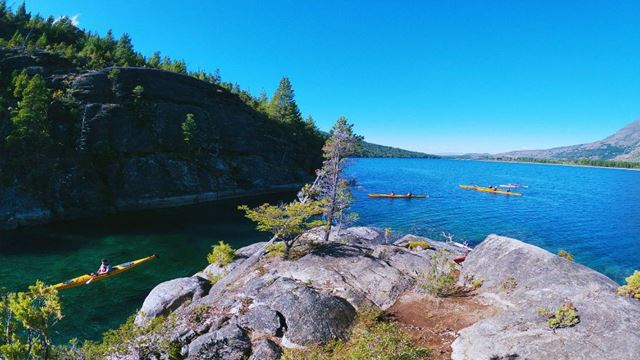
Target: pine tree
16, 40
21, 16
283, 105
154, 61
263, 102
42, 41
31, 126
331, 187
123, 54
19, 83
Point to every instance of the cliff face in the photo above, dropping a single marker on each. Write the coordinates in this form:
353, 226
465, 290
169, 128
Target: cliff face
116, 149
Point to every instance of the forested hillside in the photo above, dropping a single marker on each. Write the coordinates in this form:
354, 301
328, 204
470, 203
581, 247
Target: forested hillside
90, 126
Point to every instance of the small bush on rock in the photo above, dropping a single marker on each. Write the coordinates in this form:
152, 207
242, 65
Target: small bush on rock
632, 288
441, 278
565, 254
371, 338
418, 245
221, 254
477, 283
565, 316
214, 279
508, 284
148, 341
278, 249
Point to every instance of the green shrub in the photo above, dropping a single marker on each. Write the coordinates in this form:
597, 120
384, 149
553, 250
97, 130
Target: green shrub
441, 278
508, 284
221, 254
565, 254
137, 91
371, 338
215, 278
632, 288
477, 283
565, 316
149, 341
278, 249
388, 234
418, 245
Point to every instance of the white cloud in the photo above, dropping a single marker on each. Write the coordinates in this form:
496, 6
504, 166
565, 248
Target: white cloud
74, 19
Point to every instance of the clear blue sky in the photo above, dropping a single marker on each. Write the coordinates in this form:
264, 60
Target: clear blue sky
435, 76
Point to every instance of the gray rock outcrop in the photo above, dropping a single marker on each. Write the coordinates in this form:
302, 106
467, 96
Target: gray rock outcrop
170, 295
609, 325
294, 303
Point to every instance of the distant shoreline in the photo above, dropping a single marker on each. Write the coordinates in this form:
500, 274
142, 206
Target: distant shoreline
551, 164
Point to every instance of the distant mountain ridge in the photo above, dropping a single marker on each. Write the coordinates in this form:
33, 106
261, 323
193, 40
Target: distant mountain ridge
624, 145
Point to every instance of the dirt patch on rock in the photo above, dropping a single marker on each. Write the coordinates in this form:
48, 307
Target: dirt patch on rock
435, 322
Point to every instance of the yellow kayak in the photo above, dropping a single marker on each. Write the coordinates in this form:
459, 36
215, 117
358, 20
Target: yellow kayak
398, 196
489, 190
82, 280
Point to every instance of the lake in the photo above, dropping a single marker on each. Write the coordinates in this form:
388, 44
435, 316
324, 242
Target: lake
591, 212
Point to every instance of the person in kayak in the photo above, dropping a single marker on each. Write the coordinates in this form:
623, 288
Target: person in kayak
104, 268
392, 193
409, 194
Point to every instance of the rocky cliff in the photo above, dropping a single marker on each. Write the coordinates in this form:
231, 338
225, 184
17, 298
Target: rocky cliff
279, 304
118, 149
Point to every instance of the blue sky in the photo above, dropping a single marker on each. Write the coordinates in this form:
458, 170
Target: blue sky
435, 76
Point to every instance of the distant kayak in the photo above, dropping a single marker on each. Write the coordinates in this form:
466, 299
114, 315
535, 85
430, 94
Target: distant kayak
82, 280
514, 186
489, 190
398, 196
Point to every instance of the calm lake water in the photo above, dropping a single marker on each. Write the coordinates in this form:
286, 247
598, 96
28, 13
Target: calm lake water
590, 212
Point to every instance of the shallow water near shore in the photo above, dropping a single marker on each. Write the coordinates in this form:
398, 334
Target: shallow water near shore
590, 212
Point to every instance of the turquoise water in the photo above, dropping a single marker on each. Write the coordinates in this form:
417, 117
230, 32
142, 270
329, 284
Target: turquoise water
181, 237
594, 213
590, 212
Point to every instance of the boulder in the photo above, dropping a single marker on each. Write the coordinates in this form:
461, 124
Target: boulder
228, 343
608, 326
264, 349
262, 321
170, 295
308, 316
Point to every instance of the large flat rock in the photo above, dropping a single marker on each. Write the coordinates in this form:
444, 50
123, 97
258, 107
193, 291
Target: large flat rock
609, 325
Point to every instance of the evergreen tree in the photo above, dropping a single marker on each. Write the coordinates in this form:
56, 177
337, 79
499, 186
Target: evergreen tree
26, 322
263, 102
19, 83
189, 131
31, 126
123, 53
283, 105
331, 187
42, 41
16, 40
21, 16
154, 60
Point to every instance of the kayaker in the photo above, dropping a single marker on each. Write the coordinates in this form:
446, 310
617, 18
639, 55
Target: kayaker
104, 268
392, 193
409, 194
